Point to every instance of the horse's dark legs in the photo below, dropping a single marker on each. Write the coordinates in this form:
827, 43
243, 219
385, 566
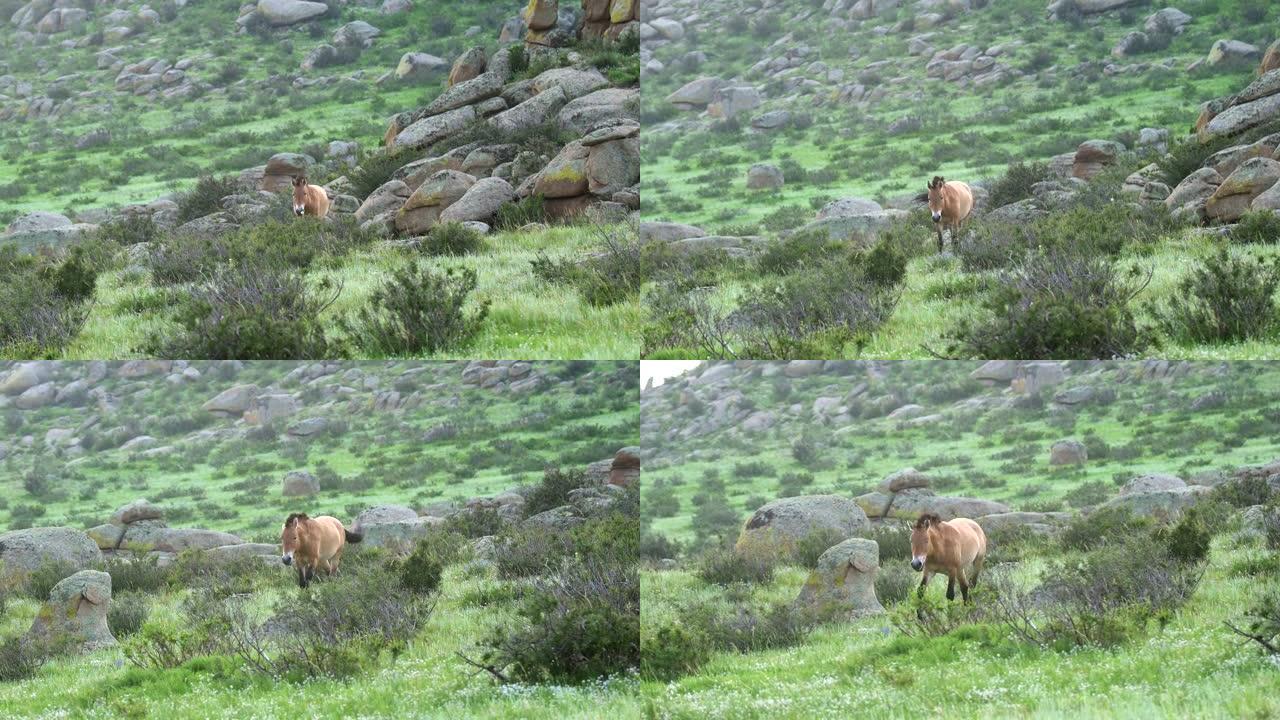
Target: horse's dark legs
302, 576
964, 588
951, 586
923, 582
938, 228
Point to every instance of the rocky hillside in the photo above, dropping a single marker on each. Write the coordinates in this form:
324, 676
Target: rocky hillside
956, 438
163, 456
305, 88
760, 113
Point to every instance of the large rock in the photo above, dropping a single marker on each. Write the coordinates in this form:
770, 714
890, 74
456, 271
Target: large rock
665, 232
398, 535
1163, 505
1094, 155
288, 12
36, 397
299, 483
1239, 118
423, 209
1036, 522
382, 514
532, 112
153, 536
1233, 52
566, 175
43, 228
24, 377
1167, 21
573, 81
23, 551
1235, 195
232, 402
764, 176
1152, 482
857, 219
415, 66
480, 202
468, 66
911, 503
430, 130
902, 480
775, 530
588, 112
76, 613
696, 93
1191, 195
1068, 452
358, 34
843, 585
612, 166
141, 509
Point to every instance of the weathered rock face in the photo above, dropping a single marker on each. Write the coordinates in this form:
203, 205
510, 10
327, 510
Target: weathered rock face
1068, 452
764, 176
1163, 505
141, 509
24, 377
1036, 522
398, 535
469, 65
383, 513
625, 470
902, 480
480, 202
232, 402
1237, 192
1152, 483
299, 483
423, 210
1094, 155
22, 551
75, 616
775, 529
843, 585
853, 218
288, 12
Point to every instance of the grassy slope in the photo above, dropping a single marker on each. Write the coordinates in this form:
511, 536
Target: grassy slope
964, 452
1191, 668
231, 129
200, 488
528, 318
428, 681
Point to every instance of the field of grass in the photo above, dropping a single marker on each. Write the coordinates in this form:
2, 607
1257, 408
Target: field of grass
232, 483
428, 680
1192, 667
994, 454
695, 171
527, 318
252, 113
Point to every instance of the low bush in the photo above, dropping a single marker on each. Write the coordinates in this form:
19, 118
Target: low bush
797, 251
723, 566
127, 613
375, 170
36, 318
672, 649
130, 229
553, 490
247, 311
1241, 492
1105, 526
1258, 226
580, 624
607, 277
40, 582
527, 550
141, 573
894, 542
1261, 623
205, 197
417, 311
654, 547
1015, 183
525, 211
1056, 305
1226, 298
810, 547
894, 582
452, 238
20, 658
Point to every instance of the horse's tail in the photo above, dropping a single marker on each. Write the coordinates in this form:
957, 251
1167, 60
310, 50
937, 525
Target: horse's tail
352, 536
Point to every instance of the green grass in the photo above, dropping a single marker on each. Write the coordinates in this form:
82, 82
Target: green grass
963, 452
429, 680
1193, 667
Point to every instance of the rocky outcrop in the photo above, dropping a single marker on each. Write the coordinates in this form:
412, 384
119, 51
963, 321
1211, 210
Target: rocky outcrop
299, 483
906, 495
75, 615
23, 551
843, 585
775, 530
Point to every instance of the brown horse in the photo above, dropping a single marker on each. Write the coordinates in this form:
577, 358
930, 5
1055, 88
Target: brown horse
950, 546
309, 199
314, 543
950, 204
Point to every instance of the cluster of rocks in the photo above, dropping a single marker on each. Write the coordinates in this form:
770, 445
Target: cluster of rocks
44, 228
139, 527
38, 20
472, 182
515, 376
965, 65
153, 77
905, 495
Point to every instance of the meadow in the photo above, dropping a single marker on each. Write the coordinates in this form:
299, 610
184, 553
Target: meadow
724, 637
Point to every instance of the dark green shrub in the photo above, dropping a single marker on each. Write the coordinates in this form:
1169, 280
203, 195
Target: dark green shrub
206, 197
1243, 491
1226, 298
40, 582
655, 546
1056, 305
129, 229
142, 573
553, 490
723, 566
673, 649
810, 547
894, 542
452, 238
475, 522
36, 319
126, 614
580, 624
608, 277
796, 251
1261, 623
885, 265
1015, 184
418, 311
1103, 527
20, 658
376, 169
1259, 226
527, 550
752, 630
249, 312
1187, 541
525, 211
894, 583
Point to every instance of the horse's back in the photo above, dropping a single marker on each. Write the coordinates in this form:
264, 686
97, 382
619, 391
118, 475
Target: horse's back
972, 532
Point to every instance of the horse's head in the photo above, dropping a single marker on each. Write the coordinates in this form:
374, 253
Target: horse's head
920, 548
289, 536
299, 194
935, 197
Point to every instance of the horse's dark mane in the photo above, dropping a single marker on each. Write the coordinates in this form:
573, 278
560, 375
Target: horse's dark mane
295, 516
928, 519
